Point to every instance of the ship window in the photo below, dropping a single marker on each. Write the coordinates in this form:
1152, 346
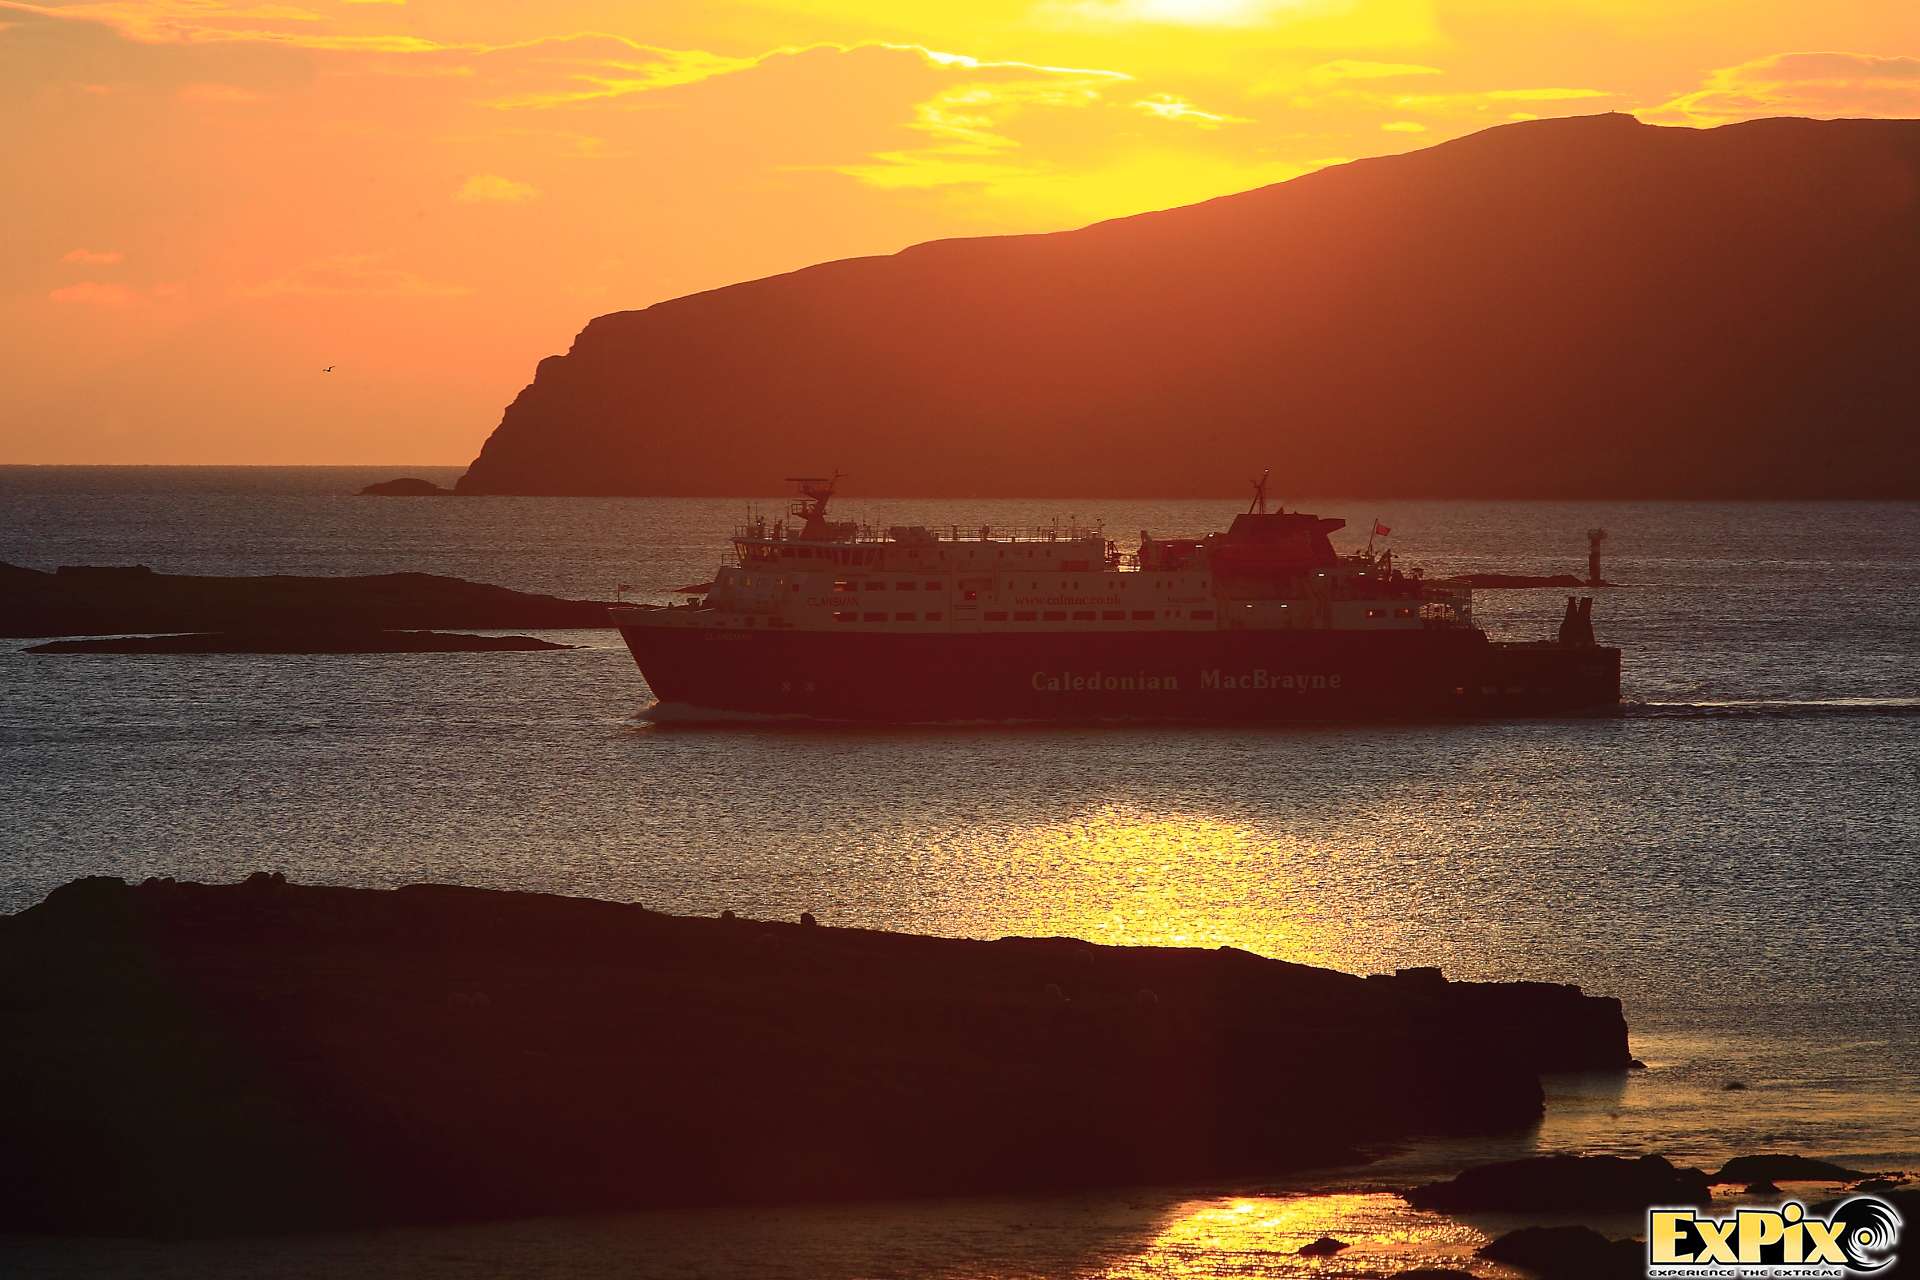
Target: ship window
1083, 615
933, 586
1203, 615
876, 586
935, 616
993, 616
1024, 615
1143, 615
842, 585
903, 617
969, 595
1055, 615
904, 586
846, 617
1113, 615
1403, 613
873, 617
1376, 613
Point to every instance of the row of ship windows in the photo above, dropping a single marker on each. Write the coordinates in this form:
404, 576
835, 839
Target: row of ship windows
864, 556
1031, 615
846, 585
849, 615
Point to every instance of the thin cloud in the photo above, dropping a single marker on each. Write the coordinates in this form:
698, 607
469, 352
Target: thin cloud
94, 257
96, 293
353, 276
1168, 106
1361, 69
491, 188
1821, 84
209, 94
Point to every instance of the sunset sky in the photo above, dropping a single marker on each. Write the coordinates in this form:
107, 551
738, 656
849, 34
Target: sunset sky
207, 202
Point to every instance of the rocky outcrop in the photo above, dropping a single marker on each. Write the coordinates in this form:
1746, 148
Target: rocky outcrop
1785, 1168
405, 487
192, 1058
81, 600
319, 640
1564, 1184
1586, 307
1568, 1253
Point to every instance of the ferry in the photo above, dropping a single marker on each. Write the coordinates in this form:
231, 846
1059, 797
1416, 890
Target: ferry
829, 619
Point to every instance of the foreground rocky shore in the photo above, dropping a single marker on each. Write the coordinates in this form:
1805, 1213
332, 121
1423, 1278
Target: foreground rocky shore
215, 1058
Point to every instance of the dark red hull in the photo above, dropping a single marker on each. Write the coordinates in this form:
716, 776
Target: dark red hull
1223, 676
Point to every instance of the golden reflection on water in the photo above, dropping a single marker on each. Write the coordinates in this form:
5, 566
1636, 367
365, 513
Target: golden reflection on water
1126, 877
1262, 1236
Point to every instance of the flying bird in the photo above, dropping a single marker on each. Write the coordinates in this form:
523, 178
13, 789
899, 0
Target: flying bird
328, 369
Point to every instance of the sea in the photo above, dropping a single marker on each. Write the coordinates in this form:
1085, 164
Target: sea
1733, 855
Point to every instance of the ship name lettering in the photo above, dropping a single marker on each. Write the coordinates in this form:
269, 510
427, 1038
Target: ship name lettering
1261, 679
1103, 682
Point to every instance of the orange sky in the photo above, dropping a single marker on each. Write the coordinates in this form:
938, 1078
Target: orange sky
206, 201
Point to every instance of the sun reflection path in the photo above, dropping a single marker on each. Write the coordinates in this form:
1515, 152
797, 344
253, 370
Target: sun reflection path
1124, 876
1262, 1236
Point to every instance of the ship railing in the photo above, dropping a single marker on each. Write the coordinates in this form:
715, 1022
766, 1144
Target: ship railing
760, 531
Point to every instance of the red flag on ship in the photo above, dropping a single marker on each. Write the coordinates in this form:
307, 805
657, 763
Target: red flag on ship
1381, 531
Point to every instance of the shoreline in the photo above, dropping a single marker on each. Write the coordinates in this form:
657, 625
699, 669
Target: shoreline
346, 1057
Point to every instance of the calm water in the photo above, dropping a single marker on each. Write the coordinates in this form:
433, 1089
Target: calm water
1733, 857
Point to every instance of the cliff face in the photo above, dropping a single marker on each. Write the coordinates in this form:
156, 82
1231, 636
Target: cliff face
1582, 307
217, 1058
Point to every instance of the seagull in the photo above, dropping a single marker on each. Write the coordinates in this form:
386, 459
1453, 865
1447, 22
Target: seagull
328, 369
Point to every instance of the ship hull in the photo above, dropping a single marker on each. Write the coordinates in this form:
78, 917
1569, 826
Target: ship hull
1216, 676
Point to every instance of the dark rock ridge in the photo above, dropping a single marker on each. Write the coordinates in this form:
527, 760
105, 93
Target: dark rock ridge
1564, 1184
80, 600
405, 487
306, 641
1587, 307
1568, 1253
1785, 1168
202, 1059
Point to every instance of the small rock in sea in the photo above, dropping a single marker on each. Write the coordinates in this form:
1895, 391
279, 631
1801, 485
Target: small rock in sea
1873, 1185
1634, 1064
1324, 1247
1762, 1188
1778, 1168
1564, 1184
727, 914
806, 918
1734, 1086
405, 487
1575, 1253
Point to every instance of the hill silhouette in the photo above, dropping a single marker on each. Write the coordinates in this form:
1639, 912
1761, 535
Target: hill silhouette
1586, 307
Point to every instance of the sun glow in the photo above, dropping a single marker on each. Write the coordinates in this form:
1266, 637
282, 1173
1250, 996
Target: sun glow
436, 196
1262, 1236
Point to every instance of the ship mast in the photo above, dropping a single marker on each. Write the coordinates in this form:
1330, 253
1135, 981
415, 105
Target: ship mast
811, 506
1259, 505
